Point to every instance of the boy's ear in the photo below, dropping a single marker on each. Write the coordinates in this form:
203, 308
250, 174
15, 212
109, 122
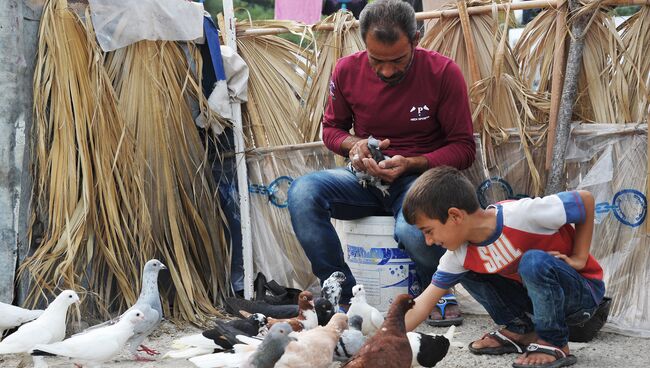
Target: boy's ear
455, 215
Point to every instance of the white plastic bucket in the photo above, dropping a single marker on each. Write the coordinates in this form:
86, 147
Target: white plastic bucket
375, 260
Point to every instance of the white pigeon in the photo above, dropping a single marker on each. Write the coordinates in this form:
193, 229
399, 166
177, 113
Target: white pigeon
351, 340
46, 329
149, 304
96, 346
12, 316
429, 349
372, 318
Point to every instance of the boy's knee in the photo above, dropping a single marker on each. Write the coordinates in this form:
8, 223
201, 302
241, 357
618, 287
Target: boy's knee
534, 263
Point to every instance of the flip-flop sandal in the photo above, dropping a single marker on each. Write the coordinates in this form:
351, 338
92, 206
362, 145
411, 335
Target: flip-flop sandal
561, 358
449, 299
506, 345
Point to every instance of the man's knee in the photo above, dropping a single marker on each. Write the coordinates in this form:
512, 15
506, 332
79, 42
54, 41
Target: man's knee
408, 236
301, 192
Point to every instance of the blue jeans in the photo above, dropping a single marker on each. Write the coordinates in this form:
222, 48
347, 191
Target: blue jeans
552, 297
316, 198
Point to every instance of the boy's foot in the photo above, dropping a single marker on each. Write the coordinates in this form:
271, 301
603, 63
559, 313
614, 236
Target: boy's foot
502, 342
544, 355
446, 313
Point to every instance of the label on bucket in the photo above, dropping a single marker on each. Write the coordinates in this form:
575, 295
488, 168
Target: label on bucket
384, 272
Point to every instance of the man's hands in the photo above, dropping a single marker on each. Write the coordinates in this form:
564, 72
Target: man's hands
387, 170
359, 152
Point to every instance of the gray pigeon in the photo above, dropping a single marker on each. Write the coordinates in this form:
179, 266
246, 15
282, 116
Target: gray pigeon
149, 304
331, 289
12, 316
46, 329
366, 179
248, 354
351, 340
271, 349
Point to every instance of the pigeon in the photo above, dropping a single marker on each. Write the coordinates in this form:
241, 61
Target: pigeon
46, 329
270, 351
264, 354
222, 337
323, 309
427, 349
389, 347
149, 304
372, 318
351, 340
97, 346
366, 179
12, 316
306, 319
331, 289
313, 348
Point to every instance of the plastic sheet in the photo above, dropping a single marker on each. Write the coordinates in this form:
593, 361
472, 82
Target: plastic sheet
119, 23
276, 251
610, 160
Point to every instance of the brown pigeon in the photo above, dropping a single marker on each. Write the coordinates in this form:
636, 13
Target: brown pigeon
314, 348
307, 318
389, 347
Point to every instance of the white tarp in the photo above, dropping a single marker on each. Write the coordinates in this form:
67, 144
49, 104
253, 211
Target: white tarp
119, 23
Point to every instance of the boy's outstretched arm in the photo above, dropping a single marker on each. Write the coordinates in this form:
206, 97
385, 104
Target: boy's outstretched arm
583, 235
424, 304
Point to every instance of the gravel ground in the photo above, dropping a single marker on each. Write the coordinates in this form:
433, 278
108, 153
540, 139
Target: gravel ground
606, 351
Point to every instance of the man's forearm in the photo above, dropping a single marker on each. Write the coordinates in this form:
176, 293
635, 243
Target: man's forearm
417, 164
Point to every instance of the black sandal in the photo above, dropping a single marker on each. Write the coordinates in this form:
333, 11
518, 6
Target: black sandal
561, 358
506, 345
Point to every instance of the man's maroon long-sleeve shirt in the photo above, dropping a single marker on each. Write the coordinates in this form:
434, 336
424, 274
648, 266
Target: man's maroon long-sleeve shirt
426, 114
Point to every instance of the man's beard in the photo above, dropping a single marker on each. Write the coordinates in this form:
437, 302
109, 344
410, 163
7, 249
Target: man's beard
399, 76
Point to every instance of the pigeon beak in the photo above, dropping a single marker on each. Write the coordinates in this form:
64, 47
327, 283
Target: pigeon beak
162, 266
312, 303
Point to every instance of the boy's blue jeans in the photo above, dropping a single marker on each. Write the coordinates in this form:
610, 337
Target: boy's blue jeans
317, 197
553, 295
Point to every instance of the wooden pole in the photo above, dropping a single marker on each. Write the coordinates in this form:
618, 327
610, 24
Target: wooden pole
240, 159
483, 9
557, 79
555, 181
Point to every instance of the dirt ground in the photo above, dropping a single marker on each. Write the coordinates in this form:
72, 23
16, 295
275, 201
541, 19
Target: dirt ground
606, 351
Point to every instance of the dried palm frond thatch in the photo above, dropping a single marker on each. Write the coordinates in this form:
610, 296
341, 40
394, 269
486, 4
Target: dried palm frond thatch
278, 70
120, 182
634, 96
597, 100
177, 213
343, 40
499, 97
83, 155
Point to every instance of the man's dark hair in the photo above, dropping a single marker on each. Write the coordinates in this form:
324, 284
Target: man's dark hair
387, 20
436, 191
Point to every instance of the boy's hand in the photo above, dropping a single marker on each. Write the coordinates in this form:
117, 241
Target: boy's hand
574, 261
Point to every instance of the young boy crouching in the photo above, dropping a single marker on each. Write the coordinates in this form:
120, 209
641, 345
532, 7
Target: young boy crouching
521, 260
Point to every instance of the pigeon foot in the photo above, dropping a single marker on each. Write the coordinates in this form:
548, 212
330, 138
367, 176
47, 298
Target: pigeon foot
147, 350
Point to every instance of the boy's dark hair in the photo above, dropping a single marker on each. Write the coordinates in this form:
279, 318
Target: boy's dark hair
436, 191
387, 19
